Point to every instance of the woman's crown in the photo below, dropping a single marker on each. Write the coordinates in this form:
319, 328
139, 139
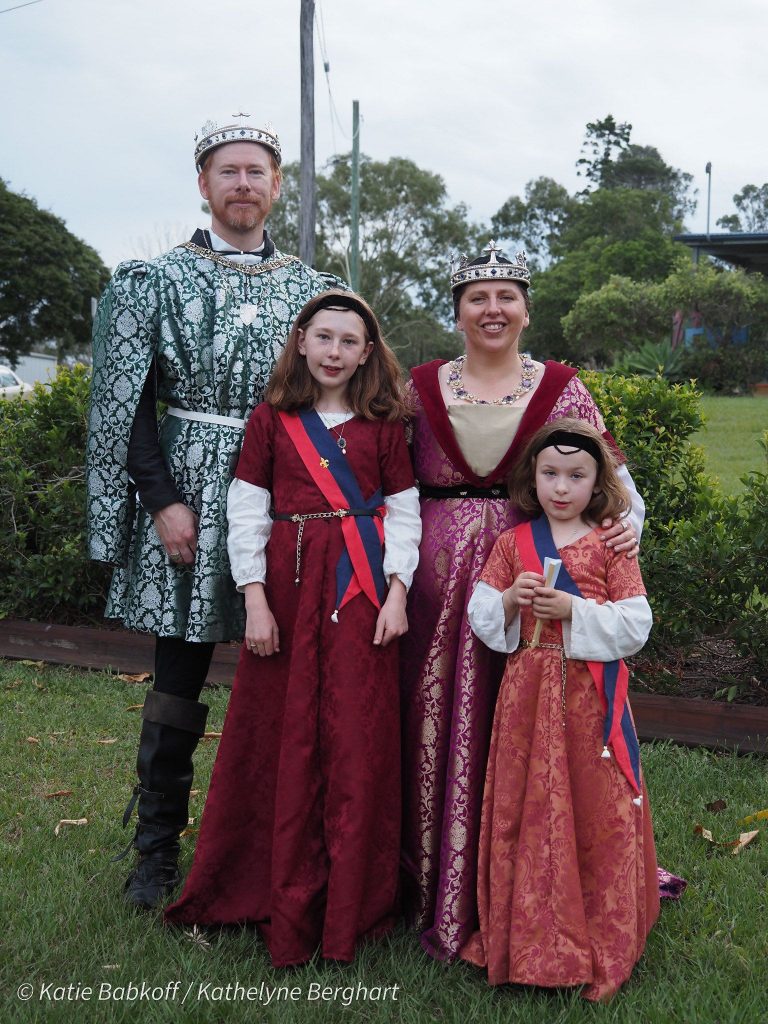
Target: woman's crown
493, 267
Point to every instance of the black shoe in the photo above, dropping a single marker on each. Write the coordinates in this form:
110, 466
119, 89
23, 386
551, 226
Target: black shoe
152, 881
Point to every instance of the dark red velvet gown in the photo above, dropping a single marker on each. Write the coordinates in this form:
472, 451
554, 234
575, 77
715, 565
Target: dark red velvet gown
301, 829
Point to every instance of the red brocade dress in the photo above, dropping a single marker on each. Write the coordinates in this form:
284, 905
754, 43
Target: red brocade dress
301, 829
567, 876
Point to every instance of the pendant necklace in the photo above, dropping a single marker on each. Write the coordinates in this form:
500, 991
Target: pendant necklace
341, 442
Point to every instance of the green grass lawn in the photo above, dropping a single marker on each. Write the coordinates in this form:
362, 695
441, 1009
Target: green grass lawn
64, 923
729, 438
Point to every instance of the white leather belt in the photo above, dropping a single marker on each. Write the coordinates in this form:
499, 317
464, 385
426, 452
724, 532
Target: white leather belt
207, 417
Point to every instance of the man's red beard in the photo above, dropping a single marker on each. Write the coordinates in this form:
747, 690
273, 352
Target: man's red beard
242, 218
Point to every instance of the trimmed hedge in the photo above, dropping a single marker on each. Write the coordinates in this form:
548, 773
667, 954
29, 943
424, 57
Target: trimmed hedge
44, 571
704, 554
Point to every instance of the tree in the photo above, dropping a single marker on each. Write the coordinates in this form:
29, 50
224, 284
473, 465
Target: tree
47, 280
752, 204
643, 169
537, 221
407, 231
616, 318
603, 139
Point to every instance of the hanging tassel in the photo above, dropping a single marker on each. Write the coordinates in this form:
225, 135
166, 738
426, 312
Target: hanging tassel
637, 801
335, 616
606, 754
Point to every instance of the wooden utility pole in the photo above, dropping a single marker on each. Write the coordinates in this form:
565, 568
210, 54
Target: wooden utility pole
354, 211
307, 199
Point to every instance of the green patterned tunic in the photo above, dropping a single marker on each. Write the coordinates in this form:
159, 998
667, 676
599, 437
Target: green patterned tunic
215, 329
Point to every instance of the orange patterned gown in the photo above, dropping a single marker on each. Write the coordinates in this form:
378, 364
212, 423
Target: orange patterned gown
567, 883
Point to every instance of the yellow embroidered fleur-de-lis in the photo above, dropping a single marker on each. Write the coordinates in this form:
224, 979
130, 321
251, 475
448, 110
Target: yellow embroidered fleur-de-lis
323, 463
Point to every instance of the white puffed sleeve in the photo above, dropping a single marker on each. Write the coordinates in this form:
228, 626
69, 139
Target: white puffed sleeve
402, 535
250, 525
605, 632
486, 617
636, 514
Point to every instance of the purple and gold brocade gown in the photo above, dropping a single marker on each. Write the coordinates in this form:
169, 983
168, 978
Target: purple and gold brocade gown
449, 678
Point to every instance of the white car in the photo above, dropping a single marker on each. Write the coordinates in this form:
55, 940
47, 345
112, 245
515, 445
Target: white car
11, 385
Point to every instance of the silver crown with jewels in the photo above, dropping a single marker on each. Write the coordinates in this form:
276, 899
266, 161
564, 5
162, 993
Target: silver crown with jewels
239, 129
493, 267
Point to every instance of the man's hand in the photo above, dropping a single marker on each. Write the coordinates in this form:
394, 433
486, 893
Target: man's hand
176, 526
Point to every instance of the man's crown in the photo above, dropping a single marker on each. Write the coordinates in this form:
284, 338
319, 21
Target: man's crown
238, 129
493, 267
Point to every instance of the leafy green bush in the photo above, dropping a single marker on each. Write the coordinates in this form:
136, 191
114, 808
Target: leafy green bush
726, 368
704, 554
44, 570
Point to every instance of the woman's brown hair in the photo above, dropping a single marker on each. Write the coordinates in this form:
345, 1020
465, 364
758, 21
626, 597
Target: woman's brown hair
375, 390
611, 499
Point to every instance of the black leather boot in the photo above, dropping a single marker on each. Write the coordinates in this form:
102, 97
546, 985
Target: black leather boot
170, 732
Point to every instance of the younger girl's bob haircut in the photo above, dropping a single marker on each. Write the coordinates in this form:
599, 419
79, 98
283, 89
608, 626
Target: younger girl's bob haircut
375, 390
611, 498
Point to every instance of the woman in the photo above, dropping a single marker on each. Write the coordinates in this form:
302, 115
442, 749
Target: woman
472, 417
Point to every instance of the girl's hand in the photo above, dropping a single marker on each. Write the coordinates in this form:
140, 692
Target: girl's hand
392, 621
549, 603
262, 636
521, 592
621, 536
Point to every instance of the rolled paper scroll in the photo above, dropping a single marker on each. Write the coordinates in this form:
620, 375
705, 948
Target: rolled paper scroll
551, 572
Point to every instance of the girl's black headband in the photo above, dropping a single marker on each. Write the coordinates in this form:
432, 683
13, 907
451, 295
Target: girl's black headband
344, 301
560, 439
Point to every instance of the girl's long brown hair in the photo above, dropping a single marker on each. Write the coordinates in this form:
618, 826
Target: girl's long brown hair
375, 390
611, 499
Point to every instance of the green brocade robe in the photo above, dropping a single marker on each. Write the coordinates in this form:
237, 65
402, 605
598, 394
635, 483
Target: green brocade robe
215, 329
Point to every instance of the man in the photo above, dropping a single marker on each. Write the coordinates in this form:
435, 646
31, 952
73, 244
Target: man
198, 328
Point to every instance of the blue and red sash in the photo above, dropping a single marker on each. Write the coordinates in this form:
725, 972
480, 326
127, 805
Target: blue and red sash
360, 567
535, 543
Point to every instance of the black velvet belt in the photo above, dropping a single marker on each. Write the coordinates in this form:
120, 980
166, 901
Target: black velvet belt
463, 491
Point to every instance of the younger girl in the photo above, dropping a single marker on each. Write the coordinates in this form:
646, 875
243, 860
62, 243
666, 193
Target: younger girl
567, 883
301, 830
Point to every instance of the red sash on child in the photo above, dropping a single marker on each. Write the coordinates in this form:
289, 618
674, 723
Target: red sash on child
535, 543
360, 567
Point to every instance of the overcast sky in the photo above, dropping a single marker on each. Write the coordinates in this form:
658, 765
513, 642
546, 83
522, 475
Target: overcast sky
100, 99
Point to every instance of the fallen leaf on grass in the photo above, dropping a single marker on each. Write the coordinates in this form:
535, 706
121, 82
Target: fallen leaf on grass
716, 806
744, 839
59, 792
189, 832
32, 739
138, 677
69, 821
135, 707
211, 736
37, 664
194, 792
757, 816
197, 937
735, 845
109, 967
107, 742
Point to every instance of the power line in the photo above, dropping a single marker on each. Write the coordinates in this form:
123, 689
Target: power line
327, 69
27, 4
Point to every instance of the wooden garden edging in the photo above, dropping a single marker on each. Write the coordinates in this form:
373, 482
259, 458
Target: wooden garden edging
695, 723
